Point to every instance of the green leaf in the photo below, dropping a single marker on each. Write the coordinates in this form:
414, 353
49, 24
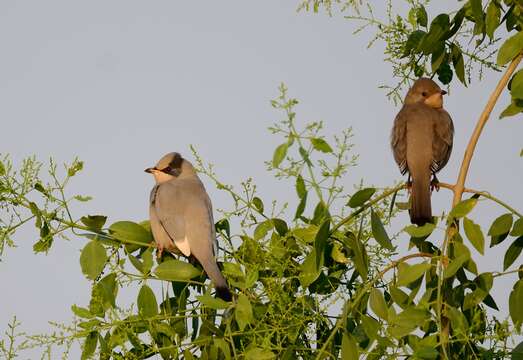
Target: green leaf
307, 234
279, 154
321, 145
413, 42
211, 302
421, 16
378, 305
511, 110
2, 169
457, 319
371, 326
378, 231
320, 241
517, 352
301, 190
359, 255
517, 229
81, 312
516, 85
513, 252
477, 12
407, 274
445, 73
455, 265
338, 255
147, 305
243, 313
493, 16
301, 207
82, 198
438, 56
511, 48
107, 288
258, 204
262, 229
438, 28
89, 346
94, 222
280, 226
458, 62
147, 257
515, 301
75, 167
360, 197
320, 213
420, 231
463, 208
309, 272
130, 231
500, 229
176, 270
474, 234
349, 347
93, 259
256, 353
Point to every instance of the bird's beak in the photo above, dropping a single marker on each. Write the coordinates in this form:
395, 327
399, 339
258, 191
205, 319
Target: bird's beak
435, 100
443, 92
149, 170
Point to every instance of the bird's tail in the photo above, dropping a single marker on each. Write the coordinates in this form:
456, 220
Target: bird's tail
214, 273
420, 208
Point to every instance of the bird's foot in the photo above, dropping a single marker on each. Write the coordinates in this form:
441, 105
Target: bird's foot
159, 251
434, 184
408, 184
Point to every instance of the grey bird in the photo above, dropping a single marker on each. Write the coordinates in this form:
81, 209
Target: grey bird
421, 141
181, 217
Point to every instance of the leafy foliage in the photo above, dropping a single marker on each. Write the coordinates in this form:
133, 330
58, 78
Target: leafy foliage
313, 279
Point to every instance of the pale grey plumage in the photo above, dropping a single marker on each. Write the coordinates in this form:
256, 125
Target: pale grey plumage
421, 141
181, 216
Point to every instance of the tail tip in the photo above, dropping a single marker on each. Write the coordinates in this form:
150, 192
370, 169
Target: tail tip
224, 293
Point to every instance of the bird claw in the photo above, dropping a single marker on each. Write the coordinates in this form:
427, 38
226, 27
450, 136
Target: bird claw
409, 186
434, 184
159, 251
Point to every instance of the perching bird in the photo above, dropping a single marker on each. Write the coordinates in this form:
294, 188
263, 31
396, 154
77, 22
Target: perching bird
421, 141
181, 218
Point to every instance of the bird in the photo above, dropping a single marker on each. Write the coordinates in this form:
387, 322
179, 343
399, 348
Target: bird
421, 141
180, 213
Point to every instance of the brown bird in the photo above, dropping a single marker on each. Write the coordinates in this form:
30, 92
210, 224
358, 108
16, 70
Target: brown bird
421, 141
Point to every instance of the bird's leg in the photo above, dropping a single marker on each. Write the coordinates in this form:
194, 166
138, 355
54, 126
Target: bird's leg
409, 185
434, 183
159, 250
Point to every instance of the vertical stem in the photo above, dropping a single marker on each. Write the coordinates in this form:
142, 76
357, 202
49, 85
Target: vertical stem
444, 324
469, 152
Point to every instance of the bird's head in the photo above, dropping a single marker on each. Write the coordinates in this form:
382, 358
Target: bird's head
171, 166
425, 91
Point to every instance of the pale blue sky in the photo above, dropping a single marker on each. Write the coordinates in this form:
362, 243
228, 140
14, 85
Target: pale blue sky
120, 83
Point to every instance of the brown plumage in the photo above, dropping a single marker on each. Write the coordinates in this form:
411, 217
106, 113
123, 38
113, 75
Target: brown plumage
421, 141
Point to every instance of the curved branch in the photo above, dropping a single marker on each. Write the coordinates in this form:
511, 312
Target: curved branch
469, 152
485, 194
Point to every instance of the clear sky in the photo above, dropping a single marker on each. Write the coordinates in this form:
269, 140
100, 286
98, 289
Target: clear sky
120, 83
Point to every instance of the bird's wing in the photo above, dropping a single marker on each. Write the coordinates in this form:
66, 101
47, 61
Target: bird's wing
398, 140
443, 139
182, 208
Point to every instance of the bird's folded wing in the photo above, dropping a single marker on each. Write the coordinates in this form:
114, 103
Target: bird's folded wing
398, 140
183, 212
443, 139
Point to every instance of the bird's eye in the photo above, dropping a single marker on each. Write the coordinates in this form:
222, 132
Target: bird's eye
424, 94
167, 170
